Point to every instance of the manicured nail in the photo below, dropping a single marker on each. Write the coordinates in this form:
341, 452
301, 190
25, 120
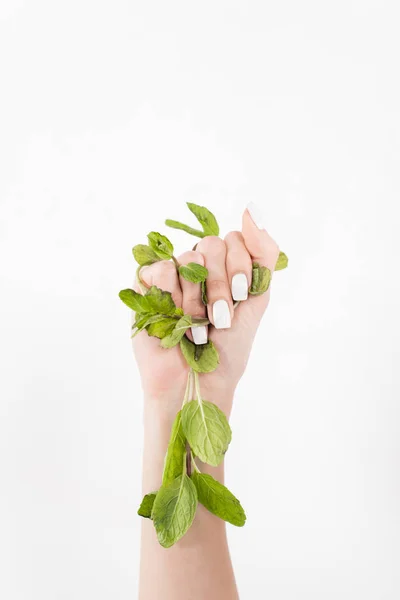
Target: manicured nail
240, 287
221, 315
256, 214
199, 334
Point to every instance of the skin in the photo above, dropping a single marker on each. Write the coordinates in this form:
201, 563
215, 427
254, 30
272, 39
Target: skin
198, 566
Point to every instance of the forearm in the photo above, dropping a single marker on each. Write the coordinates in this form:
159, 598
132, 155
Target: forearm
198, 566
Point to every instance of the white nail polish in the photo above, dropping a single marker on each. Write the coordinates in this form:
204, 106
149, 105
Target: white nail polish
221, 315
199, 334
256, 214
240, 287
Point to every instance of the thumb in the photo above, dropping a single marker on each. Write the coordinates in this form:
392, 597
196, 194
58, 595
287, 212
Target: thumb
163, 274
260, 245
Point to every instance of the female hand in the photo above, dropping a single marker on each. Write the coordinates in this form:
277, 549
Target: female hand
229, 263
203, 551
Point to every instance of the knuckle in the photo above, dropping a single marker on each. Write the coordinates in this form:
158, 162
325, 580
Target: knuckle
217, 286
191, 256
234, 236
161, 269
166, 266
237, 259
193, 306
212, 244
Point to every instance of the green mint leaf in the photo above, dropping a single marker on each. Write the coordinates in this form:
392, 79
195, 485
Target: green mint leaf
171, 340
144, 255
144, 320
282, 262
183, 227
135, 301
261, 278
203, 360
162, 327
207, 430
204, 293
161, 245
174, 510
147, 505
255, 277
160, 302
175, 452
205, 218
265, 280
218, 499
155, 301
193, 272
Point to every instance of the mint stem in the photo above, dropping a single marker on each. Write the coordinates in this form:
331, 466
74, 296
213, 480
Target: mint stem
197, 386
188, 460
183, 227
188, 390
196, 468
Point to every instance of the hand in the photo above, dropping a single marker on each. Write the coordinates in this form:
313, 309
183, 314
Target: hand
229, 263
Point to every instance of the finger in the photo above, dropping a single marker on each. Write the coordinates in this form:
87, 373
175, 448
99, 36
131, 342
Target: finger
191, 297
163, 274
259, 243
238, 265
220, 306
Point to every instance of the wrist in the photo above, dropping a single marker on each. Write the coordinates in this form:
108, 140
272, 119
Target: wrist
160, 411
158, 416
161, 405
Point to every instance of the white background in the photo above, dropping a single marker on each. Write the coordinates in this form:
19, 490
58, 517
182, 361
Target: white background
112, 116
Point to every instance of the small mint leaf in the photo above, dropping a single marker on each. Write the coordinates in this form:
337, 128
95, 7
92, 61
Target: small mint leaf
175, 452
144, 255
160, 301
204, 293
147, 505
135, 301
162, 327
193, 272
207, 430
174, 509
218, 499
202, 358
161, 245
282, 262
171, 340
205, 217
261, 278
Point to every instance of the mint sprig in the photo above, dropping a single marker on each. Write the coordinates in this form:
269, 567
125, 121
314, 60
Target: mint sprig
205, 217
200, 429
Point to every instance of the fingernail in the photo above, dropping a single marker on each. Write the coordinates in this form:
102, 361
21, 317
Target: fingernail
199, 334
256, 214
221, 315
240, 287
145, 275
